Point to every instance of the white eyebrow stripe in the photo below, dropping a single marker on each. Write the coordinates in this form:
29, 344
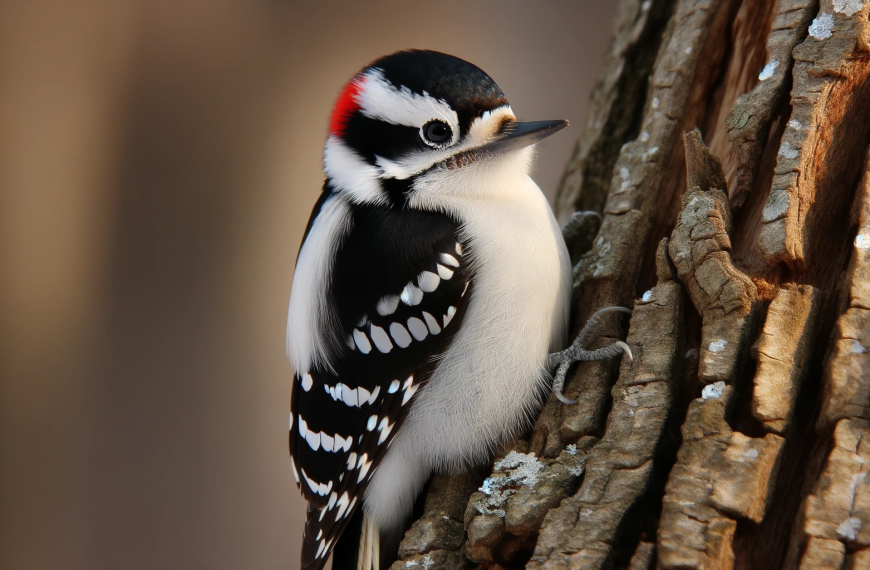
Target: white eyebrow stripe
379, 99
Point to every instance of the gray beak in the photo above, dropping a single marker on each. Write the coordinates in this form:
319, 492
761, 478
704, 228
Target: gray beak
515, 135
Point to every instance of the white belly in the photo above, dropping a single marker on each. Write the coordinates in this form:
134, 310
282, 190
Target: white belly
490, 381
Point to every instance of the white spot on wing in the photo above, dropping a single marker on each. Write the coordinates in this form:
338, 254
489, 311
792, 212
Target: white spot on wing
443, 272
313, 439
428, 281
373, 421
449, 316
342, 505
362, 341
307, 382
385, 433
417, 328
431, 323
400, 335
409, 393
411, 295
459, 249
394, 386
363, 396
381, 340
448, 259
718, 345
364, 471
349, 396
342, 443
387, 305
295, 472
327, 441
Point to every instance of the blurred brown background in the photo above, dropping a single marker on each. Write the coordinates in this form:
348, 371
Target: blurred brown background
158, 161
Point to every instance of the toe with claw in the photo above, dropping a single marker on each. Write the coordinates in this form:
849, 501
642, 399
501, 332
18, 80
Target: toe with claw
577, 353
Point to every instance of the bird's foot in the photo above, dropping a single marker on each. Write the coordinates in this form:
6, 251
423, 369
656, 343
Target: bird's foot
577, 353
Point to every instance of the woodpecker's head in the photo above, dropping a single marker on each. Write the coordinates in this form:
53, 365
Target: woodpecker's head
417, 115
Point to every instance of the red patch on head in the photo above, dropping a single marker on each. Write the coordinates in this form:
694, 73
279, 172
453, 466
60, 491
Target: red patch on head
345, 106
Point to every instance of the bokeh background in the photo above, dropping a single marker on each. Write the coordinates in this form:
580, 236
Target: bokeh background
158, 162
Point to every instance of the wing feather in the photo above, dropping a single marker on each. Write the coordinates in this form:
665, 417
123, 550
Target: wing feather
399, 285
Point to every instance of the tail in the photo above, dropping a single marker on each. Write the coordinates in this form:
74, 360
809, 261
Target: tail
358, 548
360, 545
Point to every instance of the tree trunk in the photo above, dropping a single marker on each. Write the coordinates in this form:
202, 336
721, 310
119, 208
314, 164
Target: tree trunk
740, 435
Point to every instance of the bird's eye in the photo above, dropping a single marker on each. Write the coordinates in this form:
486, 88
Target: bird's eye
436, 133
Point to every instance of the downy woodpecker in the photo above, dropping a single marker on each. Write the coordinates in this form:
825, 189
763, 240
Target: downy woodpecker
431, 285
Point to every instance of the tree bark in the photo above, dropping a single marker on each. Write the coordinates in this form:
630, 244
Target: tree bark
728, 151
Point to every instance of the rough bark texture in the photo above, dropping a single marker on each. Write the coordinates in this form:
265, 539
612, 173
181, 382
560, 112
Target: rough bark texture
728, 152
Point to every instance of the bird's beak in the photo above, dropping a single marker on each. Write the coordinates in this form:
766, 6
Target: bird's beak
515, 135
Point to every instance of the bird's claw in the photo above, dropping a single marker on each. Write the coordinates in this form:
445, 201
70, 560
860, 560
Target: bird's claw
576, 352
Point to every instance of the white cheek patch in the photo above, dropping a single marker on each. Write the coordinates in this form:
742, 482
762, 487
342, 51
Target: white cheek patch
482, 131
380, 100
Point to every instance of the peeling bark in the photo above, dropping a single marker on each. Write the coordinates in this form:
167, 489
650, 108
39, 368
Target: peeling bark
749, 121
738, 437
783, 351
818, 152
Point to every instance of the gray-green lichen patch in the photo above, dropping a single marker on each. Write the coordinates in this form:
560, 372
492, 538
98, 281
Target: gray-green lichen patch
514, 470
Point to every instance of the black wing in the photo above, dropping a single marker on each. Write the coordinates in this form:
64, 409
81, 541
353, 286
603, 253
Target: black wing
399, 286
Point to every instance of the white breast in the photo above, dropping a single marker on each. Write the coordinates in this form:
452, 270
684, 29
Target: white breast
490, 380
